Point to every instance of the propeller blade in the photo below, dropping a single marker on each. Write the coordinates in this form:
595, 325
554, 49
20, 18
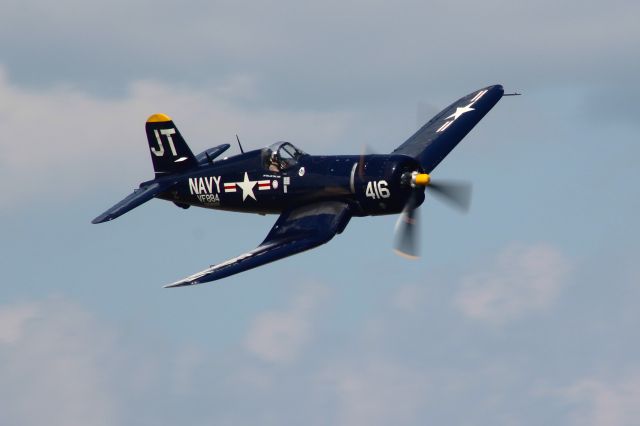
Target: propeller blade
456, 194
407, 231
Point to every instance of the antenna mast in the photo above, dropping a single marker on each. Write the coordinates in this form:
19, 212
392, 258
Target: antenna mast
239, 144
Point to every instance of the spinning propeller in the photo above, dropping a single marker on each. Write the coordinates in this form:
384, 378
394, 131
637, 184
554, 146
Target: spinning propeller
456, 194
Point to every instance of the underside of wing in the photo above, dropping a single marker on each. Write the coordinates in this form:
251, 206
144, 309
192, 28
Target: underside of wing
441, 134
295, 231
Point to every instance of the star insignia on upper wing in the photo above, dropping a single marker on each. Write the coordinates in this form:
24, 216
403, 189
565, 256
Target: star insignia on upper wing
460, 111
247, 187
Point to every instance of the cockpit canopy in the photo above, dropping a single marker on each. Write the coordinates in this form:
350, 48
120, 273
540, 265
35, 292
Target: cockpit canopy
281, 156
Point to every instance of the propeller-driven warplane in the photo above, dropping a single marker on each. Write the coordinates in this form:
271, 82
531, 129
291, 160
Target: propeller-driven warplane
315, 196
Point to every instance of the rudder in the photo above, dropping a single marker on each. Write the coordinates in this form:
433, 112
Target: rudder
169, 151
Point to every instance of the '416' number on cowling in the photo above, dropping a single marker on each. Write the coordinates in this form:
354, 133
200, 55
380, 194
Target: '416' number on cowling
377, 189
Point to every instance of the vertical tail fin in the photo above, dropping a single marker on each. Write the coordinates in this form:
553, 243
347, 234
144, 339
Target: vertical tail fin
169, 151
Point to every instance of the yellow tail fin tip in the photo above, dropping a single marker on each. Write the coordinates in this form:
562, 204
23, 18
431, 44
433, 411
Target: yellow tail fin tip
157, 118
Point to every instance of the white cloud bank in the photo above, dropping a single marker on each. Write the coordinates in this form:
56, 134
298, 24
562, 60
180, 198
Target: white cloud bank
59, 365
607, 402
63, 141
521, 280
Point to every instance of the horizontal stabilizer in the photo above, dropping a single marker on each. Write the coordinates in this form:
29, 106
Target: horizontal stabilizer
210, 154
138, 197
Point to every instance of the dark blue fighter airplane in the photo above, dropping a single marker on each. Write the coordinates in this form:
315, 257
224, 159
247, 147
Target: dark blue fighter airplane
315, 196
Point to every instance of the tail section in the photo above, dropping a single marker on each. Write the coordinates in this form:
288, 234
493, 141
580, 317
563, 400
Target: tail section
169, 151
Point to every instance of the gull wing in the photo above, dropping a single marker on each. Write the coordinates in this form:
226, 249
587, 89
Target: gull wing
296, 230
441, 134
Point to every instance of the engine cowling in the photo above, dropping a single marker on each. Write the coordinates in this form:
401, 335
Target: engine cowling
381, 186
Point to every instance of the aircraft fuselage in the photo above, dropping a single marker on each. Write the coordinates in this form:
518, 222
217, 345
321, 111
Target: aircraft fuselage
371, 184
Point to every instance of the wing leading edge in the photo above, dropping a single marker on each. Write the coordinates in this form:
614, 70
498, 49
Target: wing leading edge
441, 134
295, 231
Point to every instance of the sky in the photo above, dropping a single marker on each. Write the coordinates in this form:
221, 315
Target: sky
522, 312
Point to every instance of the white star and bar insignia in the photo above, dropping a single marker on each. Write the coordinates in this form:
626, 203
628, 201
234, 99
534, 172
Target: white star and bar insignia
247, 187
461, 110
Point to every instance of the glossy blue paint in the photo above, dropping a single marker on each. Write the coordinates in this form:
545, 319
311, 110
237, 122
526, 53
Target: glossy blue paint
315, 196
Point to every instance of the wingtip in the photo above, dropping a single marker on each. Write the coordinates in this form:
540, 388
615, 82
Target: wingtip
104, 218
497, 87
182, 283
170, 286
178, 284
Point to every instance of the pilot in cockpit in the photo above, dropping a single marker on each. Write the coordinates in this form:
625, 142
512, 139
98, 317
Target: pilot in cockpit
282, 156
274, 164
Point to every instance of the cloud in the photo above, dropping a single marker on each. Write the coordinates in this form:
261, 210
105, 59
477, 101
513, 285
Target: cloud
604, 402
54, 364
13, 320
186, 365
63, 141
409, 298
314, 54
60, 365
279, 336
522, 279
378, 392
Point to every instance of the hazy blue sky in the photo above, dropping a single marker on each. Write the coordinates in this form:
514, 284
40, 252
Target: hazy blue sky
523, 312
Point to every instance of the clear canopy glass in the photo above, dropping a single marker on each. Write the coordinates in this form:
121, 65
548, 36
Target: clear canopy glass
282, 155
